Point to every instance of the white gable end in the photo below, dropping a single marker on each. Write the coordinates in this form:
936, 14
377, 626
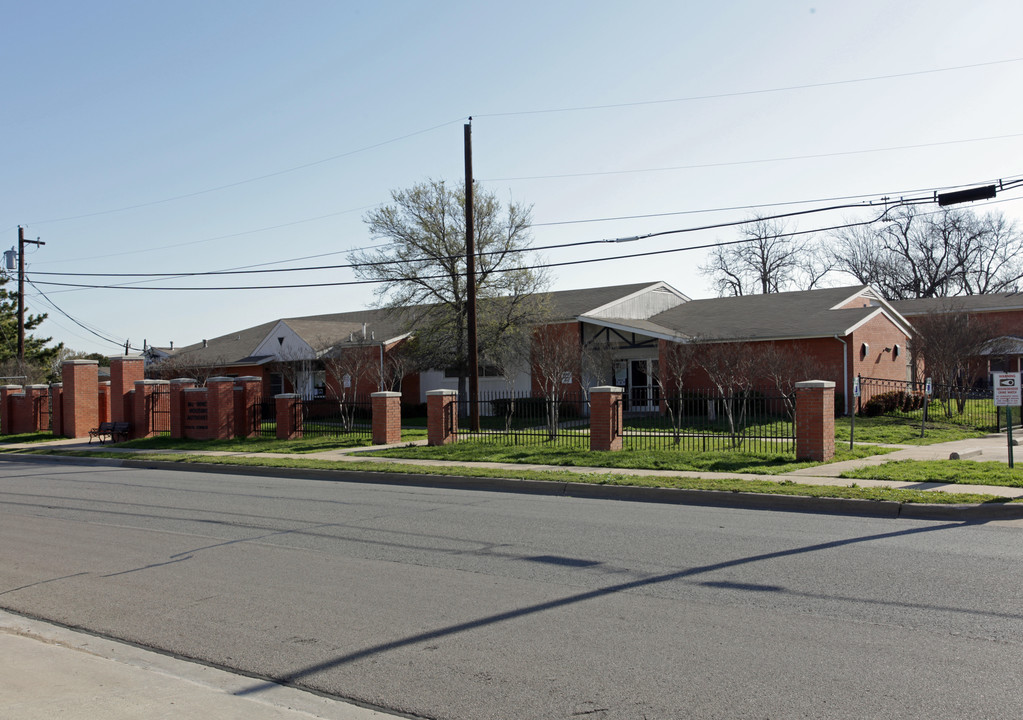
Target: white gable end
643, 304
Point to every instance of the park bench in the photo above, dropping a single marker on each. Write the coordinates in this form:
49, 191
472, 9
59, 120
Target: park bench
110, 430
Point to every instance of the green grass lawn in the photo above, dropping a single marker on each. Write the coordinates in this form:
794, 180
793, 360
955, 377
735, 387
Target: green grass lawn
963, 472
900, 431
769, 463
312, 444
34, 437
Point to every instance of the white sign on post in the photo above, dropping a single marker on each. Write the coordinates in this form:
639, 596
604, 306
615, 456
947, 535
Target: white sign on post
1007, 390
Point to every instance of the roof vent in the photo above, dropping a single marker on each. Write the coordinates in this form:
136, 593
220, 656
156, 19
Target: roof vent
205, 343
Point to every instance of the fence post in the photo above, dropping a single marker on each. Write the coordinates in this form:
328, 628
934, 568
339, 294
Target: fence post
124, 373
6, 425
178, 409
289, 416
80, 397
220, 402
441, 417
815, 420
386, 417
57, 408
606, 417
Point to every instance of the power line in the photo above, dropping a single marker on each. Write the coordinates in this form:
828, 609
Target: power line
890, 206
760, 161
741, 93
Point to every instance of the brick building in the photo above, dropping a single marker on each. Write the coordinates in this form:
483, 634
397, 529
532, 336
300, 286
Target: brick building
846, 331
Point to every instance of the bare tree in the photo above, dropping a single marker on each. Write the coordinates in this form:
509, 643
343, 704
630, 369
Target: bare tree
557, 360
766, 259
731, 369
677, 360
916, 254
953, 345
423, 270
346, 366
188, 365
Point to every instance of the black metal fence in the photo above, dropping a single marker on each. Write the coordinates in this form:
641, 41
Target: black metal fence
319, 416
704, 420
524, 419
952, 404
699, 420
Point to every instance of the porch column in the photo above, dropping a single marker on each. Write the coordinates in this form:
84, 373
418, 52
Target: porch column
441, 417
606, 417
815, 420
386, 418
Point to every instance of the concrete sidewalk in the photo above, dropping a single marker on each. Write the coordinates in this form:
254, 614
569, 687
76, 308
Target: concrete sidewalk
47, 671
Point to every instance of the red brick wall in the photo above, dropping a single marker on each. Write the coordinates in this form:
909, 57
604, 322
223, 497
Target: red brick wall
815, 421
882, 360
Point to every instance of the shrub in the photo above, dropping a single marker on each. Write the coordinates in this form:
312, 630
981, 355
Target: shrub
892, 401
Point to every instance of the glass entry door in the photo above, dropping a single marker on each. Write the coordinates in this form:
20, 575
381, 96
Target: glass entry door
643, 391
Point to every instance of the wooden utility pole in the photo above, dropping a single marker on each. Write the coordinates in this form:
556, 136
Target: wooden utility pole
470, 271
21, 290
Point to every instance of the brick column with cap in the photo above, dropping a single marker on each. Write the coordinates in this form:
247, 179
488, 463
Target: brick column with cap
6, 418
289, 416
221, 407
815, 420
248, 394
80, 397
441, 417
57, 408
386, 417
178, 410
606, 417
124, 373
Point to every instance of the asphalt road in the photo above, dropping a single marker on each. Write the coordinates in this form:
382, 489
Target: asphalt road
459, 604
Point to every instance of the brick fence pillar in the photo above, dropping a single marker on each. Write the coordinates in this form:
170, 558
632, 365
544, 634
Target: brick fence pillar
386, 417
146, 423
220, 401
177, 405
289, 416
80, 397
815, 420
441, 416
38, 398
104, 401
248, 394
606, 417
6, 419
195, 413
57, 408
124, 373
20, 416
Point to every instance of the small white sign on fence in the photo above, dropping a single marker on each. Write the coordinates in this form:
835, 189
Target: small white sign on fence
1007, 390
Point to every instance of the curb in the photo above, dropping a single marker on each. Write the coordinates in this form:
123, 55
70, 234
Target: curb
676, 496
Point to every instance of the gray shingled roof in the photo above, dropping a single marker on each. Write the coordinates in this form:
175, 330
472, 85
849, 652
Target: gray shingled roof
761, 317
320, 331
971, 303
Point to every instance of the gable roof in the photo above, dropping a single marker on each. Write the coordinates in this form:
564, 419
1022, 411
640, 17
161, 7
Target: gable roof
570, 304
777, 316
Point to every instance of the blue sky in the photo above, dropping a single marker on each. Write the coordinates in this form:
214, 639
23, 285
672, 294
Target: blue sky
143, 137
